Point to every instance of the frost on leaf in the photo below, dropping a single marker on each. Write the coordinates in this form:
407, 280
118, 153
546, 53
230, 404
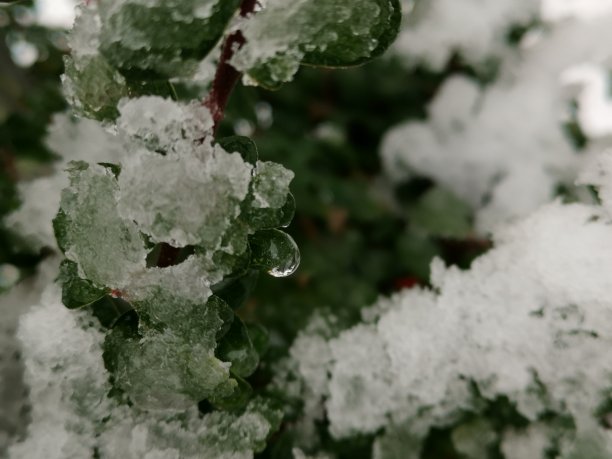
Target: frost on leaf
70, 139
330, 33
269, 184
184, 200
74, 416
91, 85
169, 361
148, 239
160, 123
130, 34
116, 44
107, 248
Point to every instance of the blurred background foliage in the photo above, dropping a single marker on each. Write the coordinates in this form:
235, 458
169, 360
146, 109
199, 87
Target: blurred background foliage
30, 66
359, 237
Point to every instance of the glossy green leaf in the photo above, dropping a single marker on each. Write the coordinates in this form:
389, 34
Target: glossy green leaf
237, 348
330, 33
161, 38
93, 87
77, 292
243, 145
168, 361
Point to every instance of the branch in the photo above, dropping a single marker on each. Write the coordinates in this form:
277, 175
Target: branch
227, 76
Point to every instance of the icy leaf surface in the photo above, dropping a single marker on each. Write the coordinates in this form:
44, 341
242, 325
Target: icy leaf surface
159, 123
269, 184
70, 139
169, 363
77, 292
91, 85
73, 416
184, 200
130, 36
331, 33
107, 248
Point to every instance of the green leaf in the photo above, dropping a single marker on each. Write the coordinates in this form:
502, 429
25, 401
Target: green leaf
77, 292
354, 48
160, 39
169, 362
442, 214
89, 220
61, 228
235, 292
330, 33
243, 145
236, 347
415, 251
260, 337
269, 217
93, 87
110, 310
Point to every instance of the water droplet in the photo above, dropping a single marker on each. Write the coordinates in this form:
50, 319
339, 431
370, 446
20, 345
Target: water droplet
289, 265
275, 252
287, 212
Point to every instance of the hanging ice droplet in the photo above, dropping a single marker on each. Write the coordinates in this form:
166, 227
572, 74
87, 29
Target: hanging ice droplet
275, 252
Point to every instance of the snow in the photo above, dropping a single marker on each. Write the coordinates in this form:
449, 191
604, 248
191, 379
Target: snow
502, 148
73, 416
55, 13
159, 123
184, 200
514, 320
72, 140
476, 29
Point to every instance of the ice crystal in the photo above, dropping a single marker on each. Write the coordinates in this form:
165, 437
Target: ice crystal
184, 200
283, 35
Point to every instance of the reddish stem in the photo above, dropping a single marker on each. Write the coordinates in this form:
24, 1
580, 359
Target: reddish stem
227, 76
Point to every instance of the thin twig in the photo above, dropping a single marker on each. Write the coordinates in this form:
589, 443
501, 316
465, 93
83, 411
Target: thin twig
227, 76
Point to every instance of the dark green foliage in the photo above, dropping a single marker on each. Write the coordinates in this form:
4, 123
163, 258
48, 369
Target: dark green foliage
77, 292
236, 347
356, 242
28, 98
